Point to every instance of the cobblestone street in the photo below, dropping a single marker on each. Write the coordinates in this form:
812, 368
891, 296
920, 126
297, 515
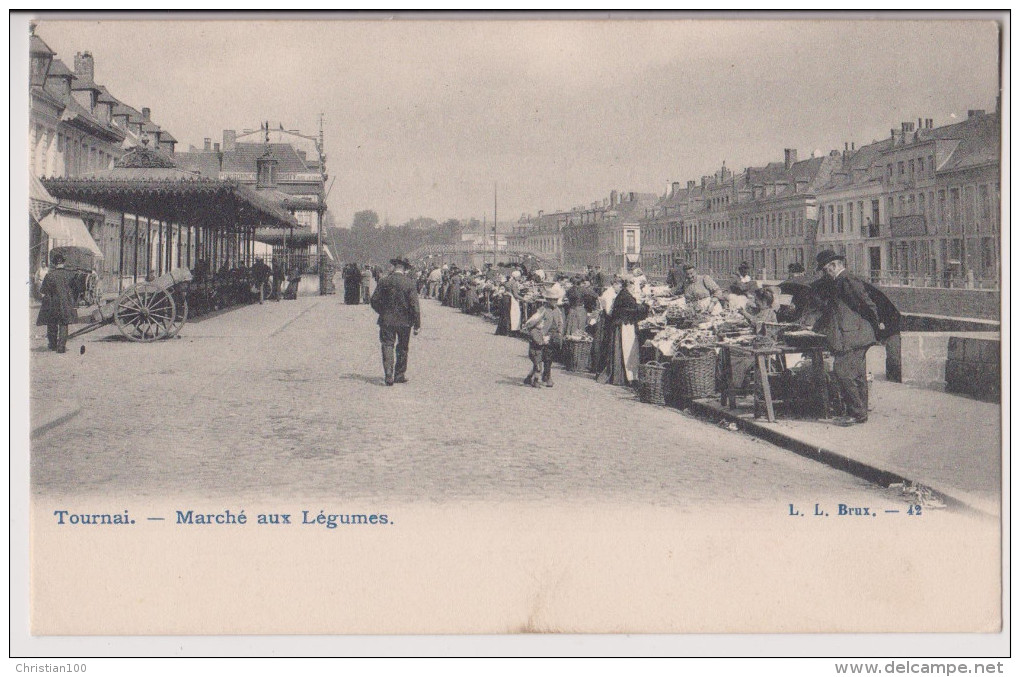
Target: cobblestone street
286, 399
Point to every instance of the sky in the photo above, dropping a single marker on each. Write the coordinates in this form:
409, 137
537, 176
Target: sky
426, 117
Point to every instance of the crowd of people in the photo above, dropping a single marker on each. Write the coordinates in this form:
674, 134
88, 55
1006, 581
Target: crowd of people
606, 310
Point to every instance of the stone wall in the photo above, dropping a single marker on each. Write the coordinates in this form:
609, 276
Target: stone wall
922, 358
973, 367
966, 303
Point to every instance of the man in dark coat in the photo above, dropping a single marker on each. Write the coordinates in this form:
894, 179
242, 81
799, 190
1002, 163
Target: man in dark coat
851, 324
352, 284
260, 274
396, 301
58, 307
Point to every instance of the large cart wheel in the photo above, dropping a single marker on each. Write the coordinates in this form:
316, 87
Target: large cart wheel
145, 313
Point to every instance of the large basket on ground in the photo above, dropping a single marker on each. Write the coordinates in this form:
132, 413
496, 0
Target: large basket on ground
653, 382
695, 374
578, 354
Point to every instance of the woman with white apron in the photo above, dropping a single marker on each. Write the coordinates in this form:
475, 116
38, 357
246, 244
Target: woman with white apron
626, 353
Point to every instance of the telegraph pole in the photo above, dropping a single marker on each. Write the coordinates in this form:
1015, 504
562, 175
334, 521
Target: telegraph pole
495, 219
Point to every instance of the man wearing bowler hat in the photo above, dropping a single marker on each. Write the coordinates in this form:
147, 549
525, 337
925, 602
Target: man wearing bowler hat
396, 301
850, 323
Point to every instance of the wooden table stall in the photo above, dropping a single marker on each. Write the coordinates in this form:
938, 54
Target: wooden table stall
765, 367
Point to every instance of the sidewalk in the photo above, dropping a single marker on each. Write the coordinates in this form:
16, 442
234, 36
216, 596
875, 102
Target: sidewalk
948, 443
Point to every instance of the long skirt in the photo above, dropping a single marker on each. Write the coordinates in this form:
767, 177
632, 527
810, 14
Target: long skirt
626, 356
515, 314
577, 320
352, 291
602, 344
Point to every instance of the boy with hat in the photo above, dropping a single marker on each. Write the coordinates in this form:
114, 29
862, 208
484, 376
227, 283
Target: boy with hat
850, 323
544, 330
396, 301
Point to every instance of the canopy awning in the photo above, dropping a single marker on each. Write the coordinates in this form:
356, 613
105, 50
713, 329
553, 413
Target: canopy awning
39, 199
280, 236
173, 195
69, 231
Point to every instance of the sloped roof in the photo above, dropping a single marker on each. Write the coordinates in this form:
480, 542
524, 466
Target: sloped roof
59, 69
206, 164
36, 45
980, 141
242, 158
106, 97
143, 157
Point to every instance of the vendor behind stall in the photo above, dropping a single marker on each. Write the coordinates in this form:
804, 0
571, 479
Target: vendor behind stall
696, 287
760, 311
742, 282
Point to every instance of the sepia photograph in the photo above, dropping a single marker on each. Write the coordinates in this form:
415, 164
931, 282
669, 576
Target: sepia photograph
585, 324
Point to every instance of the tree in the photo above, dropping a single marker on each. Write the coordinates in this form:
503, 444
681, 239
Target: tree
365, 220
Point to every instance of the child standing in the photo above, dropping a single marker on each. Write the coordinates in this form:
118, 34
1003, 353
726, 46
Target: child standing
545, 331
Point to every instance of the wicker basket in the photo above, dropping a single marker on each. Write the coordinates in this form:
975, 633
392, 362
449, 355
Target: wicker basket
652, 377
578, 355
695, 375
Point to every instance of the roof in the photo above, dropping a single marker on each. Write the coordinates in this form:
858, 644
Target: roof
105, 96
863, 158
980, 141
143, 157
173, 195
206, 164
242, 158
165, 136
79, 83
59, 69
37, 46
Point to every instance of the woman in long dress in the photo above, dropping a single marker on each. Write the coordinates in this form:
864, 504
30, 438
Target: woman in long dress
625, 355
352, 284
602, 345
577, 314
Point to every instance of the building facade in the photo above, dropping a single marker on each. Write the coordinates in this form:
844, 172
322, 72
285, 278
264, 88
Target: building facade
296, 174
76, 127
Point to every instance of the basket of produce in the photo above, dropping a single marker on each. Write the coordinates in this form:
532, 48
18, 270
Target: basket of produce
695, 373
578, 353
652, 377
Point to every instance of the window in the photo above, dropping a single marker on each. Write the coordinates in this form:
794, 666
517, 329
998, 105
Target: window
910, 204
889, 171
911, 165
920, 206
931, 165
839, 218
631, 242
832, 219
889, 208
900, 167
903, 205
850, 217
968, 208
942, 208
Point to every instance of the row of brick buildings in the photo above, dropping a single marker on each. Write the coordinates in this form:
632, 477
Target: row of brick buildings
920, 207
77, 128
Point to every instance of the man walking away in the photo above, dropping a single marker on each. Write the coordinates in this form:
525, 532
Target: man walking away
851, 325
396, 301
58, 306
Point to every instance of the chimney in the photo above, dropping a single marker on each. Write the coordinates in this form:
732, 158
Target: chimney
853, 146
612, 198
691, 184
216, 147
975, 113
630, 197
675, 188
789, 157
146, 112
207, 144
919, 123
229, 140
668, 187
85, 66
